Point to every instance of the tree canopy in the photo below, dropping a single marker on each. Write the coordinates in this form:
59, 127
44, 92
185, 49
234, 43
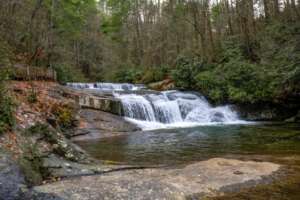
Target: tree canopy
235, 42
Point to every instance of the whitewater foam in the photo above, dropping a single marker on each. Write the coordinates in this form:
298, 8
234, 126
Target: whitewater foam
173, 109
168, 109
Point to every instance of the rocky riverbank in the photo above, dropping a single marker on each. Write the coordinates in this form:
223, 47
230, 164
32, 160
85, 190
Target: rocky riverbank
38, 159
39, 149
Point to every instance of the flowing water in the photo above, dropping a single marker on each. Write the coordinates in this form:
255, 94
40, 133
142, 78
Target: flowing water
182, 127
174, 109
106, 86
156, 110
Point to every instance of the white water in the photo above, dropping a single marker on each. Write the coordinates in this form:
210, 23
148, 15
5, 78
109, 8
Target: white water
137, 107
172, 109
167, 109
106, 86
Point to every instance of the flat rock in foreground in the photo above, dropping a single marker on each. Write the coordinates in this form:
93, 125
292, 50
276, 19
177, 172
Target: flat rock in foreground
202, 178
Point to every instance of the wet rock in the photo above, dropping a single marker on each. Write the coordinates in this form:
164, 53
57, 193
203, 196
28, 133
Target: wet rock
259, 112
196, 180
106, 104
12, 181
97, 124
60, 167
44, 135
94, 99
218, 117
268, 111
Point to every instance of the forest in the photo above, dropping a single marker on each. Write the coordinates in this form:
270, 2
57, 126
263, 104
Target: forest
236, 51
149, 99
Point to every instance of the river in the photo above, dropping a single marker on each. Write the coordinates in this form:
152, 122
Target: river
179, 128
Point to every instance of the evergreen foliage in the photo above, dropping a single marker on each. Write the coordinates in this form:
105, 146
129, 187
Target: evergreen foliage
238, 51
6, 102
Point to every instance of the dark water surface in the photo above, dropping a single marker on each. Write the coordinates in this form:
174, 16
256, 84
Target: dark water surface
180, 146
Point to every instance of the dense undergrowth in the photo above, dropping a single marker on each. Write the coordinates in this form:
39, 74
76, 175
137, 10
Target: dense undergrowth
6, 102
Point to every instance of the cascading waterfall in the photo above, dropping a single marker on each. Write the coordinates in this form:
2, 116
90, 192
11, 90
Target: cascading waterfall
106, 86
166, 111
137, 107
151, 110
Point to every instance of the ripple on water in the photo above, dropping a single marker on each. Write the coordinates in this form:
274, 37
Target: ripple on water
169, 146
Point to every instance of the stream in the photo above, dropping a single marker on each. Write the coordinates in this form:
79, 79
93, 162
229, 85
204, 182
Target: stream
179, 128
182, 127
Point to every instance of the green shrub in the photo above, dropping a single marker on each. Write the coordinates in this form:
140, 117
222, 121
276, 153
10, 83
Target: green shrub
66, 73
231, 49
6, 104
5, 55
32, 96
32, 166
6, 114
236, 81
31, 160
212, 85
185, 72
65, 115
155, 74
128, 75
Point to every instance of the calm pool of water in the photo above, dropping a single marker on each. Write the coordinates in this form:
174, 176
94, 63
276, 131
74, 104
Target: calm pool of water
176, 146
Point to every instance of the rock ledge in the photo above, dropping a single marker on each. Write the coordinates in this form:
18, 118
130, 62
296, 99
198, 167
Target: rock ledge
196, 180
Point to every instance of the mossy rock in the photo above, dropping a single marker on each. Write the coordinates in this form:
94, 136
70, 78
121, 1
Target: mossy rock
59, 143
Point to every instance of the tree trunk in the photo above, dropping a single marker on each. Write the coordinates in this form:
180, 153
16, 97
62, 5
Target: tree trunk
266, 9
294, 9
228, 16
210, 34
276, 8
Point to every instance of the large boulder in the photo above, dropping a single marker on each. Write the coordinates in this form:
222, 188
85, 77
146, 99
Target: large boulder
97, 124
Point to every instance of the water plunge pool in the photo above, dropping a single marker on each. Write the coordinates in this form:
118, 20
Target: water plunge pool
185, 145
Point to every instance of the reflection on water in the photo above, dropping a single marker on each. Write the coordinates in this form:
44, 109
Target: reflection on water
174, 146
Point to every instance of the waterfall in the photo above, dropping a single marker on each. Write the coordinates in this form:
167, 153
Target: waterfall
137, 107
150, 109
107, 86
166, 111
174, 109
